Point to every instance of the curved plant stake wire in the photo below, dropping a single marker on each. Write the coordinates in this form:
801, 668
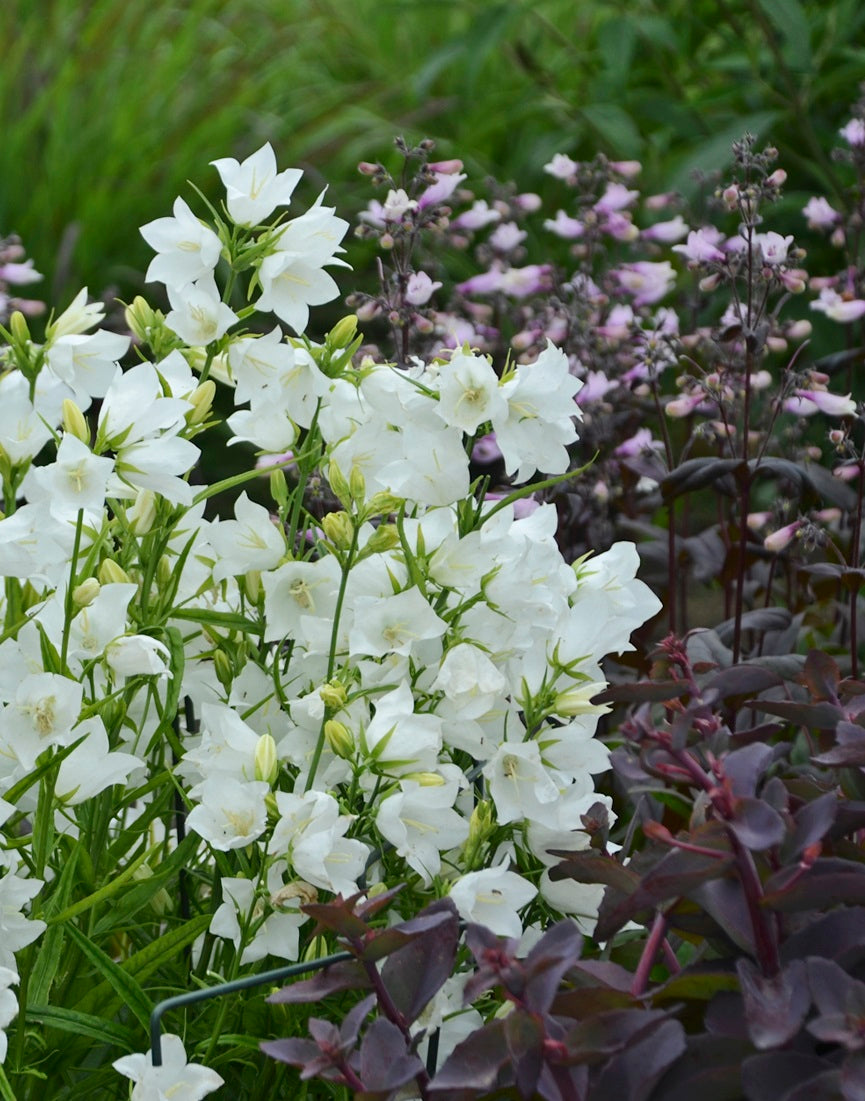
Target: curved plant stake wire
247, 982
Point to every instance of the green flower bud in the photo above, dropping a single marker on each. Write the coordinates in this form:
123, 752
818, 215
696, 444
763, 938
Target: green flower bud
339, 484
338, 528
109, 573
343, 332
339, 739
142, 319
266, 762
333, 694
279, 487
142, 514
164, 570
252, 585
384, 538
74, 422
357, 485
19, 328
426, 779
223, 668
86, 592
201, 400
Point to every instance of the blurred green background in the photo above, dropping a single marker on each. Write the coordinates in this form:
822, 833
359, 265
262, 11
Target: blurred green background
110, 106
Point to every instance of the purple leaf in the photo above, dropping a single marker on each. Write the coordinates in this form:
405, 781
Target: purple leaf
296, 1051
831, 936
598, 1037
850, 749
853, 1077
834, 991
770, 1077
440, 914
756, 825
346, 975
416, 972
775, 1006
648, 691
744, 767
554, 954
384, 1062
724, 901
744, 679
524, 1036
707, 1071
816, 716
811, 823
829, 881
822, 676
591, 867
474, 1064
632, 1074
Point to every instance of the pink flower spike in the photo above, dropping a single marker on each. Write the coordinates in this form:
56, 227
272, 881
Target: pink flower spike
616, 197
564, 226
420, 288
673, 230
854, 133
561, 166
782, 538
839, 308
700, 248
820, 214
441, 190
832, 404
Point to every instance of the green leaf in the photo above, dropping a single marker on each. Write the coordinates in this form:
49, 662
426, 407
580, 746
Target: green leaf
143, 892
106, 891
615, 127
717, 152
116, 977
51, 946
788, 17
229, 620
83, 1024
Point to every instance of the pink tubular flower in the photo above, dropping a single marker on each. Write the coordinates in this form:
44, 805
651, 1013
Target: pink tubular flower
646, 281
839, 307
832, 404
778, 540
420, 288
616, 197
673, 230
481, 214
854, 132
563, 225
820, 214
561, 166
439, 192
773, 247
701, 247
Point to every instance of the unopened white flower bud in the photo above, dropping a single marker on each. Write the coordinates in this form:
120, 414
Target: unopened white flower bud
266, 760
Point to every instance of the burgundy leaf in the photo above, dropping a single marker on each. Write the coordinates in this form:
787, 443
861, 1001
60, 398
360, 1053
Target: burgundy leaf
647, 691
816, 716
853, 1077
770, 1077
632, 1073
756, 825
724, 901
822, 676
707, 1071
416, 972
831, 936
775, 1006
384, 1062
744, 767
441, 914
834, 991
811, 823
743, 680
346, 975
696, 473
850, 749
829, 881
474, 1064
553, 955
677, 873
591, 867
822, 1087
296, 1051
598, 1037
524, 1036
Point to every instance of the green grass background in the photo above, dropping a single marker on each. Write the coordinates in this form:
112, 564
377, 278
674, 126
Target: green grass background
109, 106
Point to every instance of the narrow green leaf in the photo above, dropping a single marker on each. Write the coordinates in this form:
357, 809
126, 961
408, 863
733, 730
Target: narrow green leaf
788, 17
108, 890
119, 980
51, 946
143, 892
83, 1024
230, 620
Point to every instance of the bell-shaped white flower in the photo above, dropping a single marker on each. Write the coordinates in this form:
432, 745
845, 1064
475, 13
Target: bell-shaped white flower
175, 1078
254, 188
493, 897
188, 249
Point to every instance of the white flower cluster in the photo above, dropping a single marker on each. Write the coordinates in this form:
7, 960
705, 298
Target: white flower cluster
395, 687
